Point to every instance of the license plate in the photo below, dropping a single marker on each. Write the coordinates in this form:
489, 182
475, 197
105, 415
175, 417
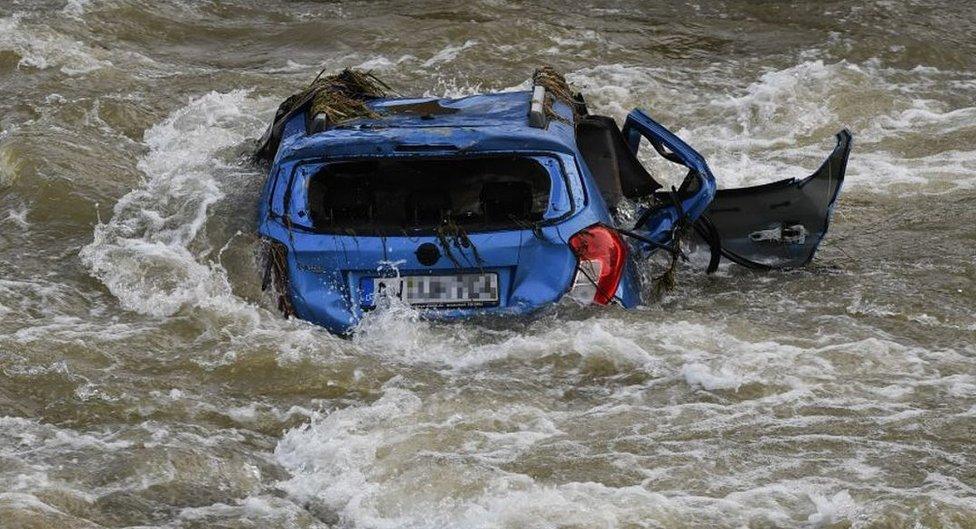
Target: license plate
457, 290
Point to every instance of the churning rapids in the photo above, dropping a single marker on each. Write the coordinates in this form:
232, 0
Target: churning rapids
146, 381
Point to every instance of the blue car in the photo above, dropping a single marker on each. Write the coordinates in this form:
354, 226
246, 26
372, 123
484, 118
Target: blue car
502, 204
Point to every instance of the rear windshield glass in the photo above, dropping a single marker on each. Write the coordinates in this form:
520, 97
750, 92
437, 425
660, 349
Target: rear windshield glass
396, 195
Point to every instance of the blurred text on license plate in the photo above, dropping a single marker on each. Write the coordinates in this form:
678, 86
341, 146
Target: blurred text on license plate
457, 290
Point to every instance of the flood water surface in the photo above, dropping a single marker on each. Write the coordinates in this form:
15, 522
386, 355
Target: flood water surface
146, 381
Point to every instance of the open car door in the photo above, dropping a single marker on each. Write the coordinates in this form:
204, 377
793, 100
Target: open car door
781, 224
776, 225
679, 206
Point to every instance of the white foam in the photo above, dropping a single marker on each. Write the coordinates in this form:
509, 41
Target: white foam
435, 462
267, 511
697, 374
19, 501
142, 253
384, 63
448, 53
75, 8
40, 47
615, 89
24, 436
334, 472
18, 217
401, 334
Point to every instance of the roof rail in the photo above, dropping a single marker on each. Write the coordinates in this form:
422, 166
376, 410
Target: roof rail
537, 110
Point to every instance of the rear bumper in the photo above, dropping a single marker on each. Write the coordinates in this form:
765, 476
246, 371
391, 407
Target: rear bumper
336, 301
325, 273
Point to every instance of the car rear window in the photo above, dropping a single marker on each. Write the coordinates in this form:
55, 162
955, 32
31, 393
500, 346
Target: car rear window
393, 195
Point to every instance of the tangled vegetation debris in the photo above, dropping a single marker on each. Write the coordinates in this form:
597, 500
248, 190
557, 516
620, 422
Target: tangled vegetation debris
338, 98
557, 88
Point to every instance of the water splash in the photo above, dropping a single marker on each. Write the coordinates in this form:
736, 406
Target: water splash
142, 253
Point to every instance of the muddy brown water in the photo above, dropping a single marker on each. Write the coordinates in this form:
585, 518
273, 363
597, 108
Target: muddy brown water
145, 381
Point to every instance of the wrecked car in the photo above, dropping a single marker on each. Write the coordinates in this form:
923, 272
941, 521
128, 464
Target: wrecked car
500, 203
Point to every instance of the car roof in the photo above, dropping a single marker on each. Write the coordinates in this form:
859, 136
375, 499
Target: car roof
484, 122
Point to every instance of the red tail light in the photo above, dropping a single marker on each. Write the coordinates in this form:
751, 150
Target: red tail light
602, 256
